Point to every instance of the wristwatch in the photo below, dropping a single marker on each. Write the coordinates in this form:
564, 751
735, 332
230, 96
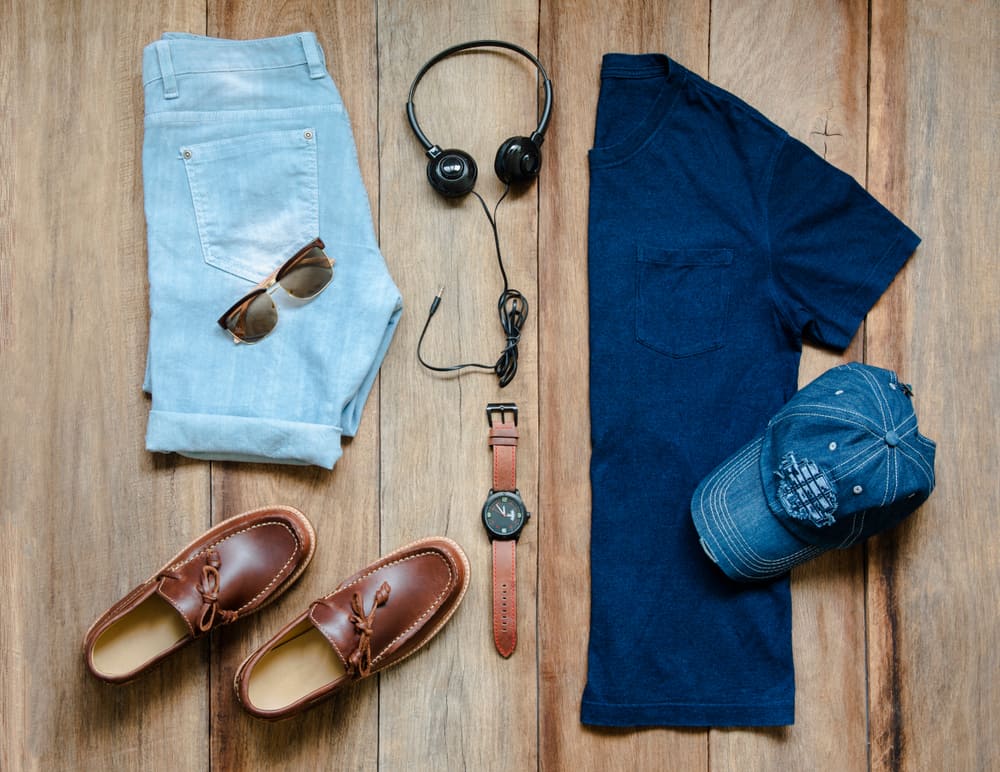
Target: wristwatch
504, 516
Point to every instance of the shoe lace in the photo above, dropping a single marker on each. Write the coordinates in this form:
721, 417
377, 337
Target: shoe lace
360, 660
208, 587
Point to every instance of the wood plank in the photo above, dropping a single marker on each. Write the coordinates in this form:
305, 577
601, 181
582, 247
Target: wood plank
342, 504
8, 78
457, 704
572, 43
932, 596
804, 66
87, 512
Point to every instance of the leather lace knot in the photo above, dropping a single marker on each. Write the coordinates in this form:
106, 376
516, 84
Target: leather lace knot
360, 660
208, 587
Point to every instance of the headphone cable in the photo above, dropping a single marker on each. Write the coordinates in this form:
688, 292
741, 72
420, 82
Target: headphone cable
512, 308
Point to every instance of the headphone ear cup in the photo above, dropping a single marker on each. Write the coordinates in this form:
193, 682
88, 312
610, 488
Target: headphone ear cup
453, 173
518, 161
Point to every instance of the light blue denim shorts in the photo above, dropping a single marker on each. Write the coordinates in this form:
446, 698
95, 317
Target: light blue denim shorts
248, 155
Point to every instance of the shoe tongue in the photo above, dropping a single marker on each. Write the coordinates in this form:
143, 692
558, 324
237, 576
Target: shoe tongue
184, 599
181, 591
331, 616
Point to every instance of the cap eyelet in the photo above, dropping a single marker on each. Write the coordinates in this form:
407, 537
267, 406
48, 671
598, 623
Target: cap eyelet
857, 489
832, 446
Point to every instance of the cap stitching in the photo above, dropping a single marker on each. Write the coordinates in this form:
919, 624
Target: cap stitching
920, 458
795, 413
867, 449
726, 522
858, 524
860, 464
746, 553
921, 463
883, 405
713, 490
856, 528
894, 463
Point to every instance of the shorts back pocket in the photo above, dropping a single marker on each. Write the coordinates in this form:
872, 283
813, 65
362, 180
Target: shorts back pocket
682, 299
256, 198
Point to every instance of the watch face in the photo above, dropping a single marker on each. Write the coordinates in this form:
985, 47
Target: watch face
504, 514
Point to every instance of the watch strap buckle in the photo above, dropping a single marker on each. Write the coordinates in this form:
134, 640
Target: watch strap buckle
500, 409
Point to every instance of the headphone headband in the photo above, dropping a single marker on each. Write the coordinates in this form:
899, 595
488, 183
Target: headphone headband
537, 136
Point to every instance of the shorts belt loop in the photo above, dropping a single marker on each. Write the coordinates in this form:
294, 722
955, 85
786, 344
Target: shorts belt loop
313, 58
166, 70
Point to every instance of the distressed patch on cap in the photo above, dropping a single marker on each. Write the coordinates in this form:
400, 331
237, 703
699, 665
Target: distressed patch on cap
805, 491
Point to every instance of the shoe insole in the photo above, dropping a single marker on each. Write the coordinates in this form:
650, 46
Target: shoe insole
149, 629
299, 665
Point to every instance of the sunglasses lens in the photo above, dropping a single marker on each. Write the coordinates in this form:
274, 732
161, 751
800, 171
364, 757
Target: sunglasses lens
308, 276
254, 319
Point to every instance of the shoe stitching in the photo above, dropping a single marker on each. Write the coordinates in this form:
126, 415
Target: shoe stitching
181, 612
434, 604
462, 558
208, 547
103, 621
273, 580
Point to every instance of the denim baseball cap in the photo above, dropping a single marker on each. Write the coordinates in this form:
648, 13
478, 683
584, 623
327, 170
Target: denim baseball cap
843, 460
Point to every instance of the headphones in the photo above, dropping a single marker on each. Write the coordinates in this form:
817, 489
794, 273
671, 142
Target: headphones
453, 172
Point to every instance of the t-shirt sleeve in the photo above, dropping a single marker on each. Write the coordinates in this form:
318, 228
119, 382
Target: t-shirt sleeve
834, 248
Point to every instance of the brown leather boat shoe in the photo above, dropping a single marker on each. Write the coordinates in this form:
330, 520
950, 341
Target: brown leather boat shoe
376, 618
231, 571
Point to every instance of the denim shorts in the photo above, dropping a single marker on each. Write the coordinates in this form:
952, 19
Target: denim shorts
248, 155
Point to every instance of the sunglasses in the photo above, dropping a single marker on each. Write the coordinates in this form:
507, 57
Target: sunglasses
304, 275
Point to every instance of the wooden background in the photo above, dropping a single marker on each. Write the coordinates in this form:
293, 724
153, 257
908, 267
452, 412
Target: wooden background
897, 644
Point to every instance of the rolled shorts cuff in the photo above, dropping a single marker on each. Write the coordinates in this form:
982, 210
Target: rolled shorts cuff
238, 438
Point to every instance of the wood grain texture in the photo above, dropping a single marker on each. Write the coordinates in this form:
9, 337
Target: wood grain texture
87, 512
908, 629
458, 704
933, 591
804, 66
342, 504
8, 73
573, 39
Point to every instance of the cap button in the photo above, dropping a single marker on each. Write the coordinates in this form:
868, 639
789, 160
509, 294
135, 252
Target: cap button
891, 439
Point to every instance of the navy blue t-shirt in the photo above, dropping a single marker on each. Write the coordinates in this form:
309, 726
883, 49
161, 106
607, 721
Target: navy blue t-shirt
717, 244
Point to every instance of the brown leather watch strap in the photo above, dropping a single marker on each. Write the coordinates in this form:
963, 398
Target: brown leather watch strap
505, 596
503, 439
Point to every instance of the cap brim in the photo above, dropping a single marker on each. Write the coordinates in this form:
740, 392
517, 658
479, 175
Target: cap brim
737, 528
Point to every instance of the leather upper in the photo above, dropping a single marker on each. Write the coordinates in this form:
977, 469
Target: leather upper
232, 570
377, 617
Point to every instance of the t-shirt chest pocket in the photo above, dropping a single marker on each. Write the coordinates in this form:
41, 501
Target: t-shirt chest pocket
682, 299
